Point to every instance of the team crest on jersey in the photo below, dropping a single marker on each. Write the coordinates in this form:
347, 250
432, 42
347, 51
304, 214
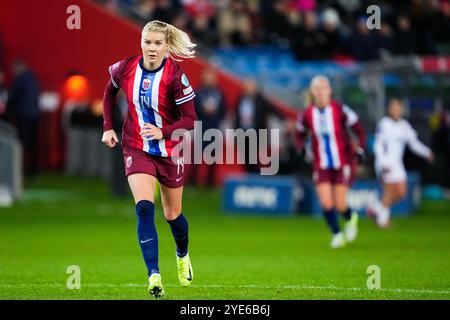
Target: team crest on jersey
129, 161
184, 80
146, 83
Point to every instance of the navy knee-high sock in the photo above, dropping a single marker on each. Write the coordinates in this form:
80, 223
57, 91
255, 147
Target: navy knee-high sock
179, 228
147, 236
332, 220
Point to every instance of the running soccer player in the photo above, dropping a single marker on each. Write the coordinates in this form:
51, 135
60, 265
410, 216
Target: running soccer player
329, 122
160, 101
392, 135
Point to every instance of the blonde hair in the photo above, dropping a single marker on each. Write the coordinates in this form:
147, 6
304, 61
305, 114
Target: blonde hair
180, 45
308, 96
319, 77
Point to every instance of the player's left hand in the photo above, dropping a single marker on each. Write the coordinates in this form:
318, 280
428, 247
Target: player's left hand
151, 132
361, 154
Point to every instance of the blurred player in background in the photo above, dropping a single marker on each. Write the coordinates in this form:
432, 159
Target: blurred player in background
392, 135
211, 109
329, 122
160, 101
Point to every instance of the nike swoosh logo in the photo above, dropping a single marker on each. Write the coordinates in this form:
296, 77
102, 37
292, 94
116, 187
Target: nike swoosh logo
179, 179
144, 92
144, 241
190, 274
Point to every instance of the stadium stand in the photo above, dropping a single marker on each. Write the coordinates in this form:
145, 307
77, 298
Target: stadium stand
259, 48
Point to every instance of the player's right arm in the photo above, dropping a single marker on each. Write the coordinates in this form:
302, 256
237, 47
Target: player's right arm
301, 131
352, 121
381, 146
109, 100
109, 137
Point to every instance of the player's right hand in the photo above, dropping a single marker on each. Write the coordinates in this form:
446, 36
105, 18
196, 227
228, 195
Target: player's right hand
110, 138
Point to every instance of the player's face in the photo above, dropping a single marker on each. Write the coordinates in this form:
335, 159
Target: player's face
396, 109
321, 92
154, 47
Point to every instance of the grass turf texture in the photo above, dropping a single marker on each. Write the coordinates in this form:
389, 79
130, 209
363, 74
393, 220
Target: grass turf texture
64, 221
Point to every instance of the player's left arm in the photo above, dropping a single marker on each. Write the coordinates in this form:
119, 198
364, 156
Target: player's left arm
186, 122
416, 145
352, 121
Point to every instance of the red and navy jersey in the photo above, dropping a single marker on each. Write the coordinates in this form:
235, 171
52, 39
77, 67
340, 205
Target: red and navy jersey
153, 97
329, 127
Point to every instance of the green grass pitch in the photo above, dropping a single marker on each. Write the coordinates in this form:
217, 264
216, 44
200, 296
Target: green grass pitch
64, 221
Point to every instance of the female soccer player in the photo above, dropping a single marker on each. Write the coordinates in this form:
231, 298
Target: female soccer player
334, 156
160, 101
392, 135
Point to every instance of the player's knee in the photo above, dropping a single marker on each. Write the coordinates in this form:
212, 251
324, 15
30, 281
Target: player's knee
341, 207
171, 213
327, 205
401, 193
144, 208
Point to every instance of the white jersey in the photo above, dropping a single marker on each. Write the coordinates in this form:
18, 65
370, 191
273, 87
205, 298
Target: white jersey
390, 141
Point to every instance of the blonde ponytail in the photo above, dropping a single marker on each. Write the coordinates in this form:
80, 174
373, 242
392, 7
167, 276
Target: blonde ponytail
180, 45
308, 97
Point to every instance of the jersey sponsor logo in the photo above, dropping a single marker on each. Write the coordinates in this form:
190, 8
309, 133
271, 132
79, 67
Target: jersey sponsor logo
184, 80
146, 83
129, 161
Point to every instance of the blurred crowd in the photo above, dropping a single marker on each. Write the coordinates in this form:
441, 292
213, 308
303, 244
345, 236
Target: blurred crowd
19, 105
82, 124
312, 29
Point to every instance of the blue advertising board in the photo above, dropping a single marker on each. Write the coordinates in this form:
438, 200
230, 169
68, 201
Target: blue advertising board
261, 194
285, 195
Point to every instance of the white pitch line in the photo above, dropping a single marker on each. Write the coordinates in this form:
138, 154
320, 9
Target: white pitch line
256, 286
